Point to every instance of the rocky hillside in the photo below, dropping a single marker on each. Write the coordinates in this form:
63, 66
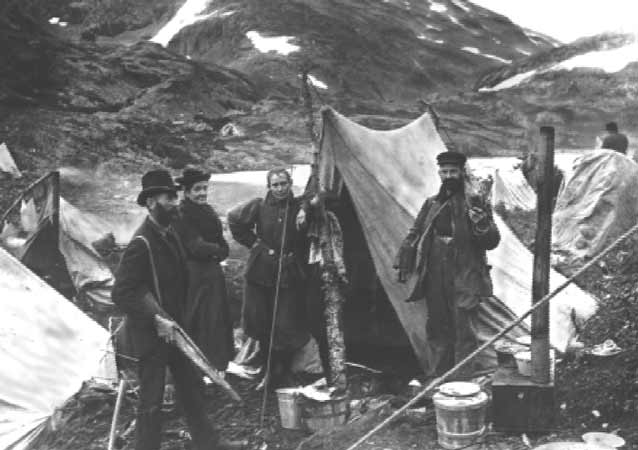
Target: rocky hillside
83, 103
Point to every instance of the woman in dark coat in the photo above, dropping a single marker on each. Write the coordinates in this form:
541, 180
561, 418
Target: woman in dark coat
207, 314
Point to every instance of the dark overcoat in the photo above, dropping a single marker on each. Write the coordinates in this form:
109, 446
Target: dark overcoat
259, 225
472, 281
207, 312
134, 290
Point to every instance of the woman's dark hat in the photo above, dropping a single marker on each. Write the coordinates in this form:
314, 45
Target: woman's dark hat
455, 158
156, 182
191, 176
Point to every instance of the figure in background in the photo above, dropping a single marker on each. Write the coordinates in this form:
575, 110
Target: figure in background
259, 225
455, 229
614, 140
207, 315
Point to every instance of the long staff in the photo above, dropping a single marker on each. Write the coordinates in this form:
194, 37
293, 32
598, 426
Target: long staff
274, 317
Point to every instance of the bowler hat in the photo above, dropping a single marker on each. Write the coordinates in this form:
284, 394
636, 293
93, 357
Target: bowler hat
455, 158
155, 182
191, 176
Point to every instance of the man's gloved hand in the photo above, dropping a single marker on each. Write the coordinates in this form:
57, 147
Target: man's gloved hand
477, 214
166, 329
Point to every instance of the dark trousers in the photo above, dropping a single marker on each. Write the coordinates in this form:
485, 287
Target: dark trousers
451, 330
189, 388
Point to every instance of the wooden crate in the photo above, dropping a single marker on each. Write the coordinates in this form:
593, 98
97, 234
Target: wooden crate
521, 406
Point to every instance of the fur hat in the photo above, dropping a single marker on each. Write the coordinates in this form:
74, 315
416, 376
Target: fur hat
190, 177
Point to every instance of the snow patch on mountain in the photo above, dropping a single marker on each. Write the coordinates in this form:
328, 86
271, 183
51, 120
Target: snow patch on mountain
476, 51
316, 82
438, 7
461, 4
610, 61
511, 82
278, 44
188, 14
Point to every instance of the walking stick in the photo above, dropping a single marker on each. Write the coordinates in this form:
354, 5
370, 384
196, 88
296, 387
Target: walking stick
116, 413
274, 316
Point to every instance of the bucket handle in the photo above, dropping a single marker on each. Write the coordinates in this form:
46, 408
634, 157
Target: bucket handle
461, 435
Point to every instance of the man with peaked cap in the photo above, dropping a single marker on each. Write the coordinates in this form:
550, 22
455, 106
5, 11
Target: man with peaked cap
454, 230
150, 288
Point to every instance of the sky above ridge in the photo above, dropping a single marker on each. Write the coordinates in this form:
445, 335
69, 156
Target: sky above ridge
567, 20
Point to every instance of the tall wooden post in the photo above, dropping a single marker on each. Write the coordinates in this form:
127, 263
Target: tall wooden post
55, 213
332, 295
542, 248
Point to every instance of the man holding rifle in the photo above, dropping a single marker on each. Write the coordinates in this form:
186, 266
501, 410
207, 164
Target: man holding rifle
150, 288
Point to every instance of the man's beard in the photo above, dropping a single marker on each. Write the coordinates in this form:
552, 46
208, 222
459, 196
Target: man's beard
449, 187
164, 215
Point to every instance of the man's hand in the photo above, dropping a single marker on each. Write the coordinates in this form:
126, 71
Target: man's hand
301, 219
477, 214
166, 329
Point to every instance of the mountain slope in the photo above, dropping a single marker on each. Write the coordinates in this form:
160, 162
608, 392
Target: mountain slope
583, 84
386, 50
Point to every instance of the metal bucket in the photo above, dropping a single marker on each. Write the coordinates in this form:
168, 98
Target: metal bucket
460, 421
289, 408
325, 415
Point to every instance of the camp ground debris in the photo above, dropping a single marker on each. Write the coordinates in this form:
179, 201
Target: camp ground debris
49, 348
7, 164
381, 179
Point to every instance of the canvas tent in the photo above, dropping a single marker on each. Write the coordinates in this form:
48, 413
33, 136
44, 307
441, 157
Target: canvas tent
59, 249
511, 189
586, 215
382, 179
7, 164
49, 348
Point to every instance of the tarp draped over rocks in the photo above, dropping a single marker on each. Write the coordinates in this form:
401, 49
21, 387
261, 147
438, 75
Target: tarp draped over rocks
598, 203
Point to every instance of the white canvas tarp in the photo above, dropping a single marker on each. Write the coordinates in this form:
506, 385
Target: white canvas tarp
511, 189
7, 164
388, 175
598, 203
48, 347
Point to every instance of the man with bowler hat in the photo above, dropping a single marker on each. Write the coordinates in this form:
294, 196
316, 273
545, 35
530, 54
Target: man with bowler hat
452, 276
150, 288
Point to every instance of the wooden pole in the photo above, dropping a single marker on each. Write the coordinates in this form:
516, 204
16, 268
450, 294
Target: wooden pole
55, 213
332, 295
542, 248
116, 414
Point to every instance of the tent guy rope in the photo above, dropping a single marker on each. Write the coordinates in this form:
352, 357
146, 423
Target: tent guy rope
437, 381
